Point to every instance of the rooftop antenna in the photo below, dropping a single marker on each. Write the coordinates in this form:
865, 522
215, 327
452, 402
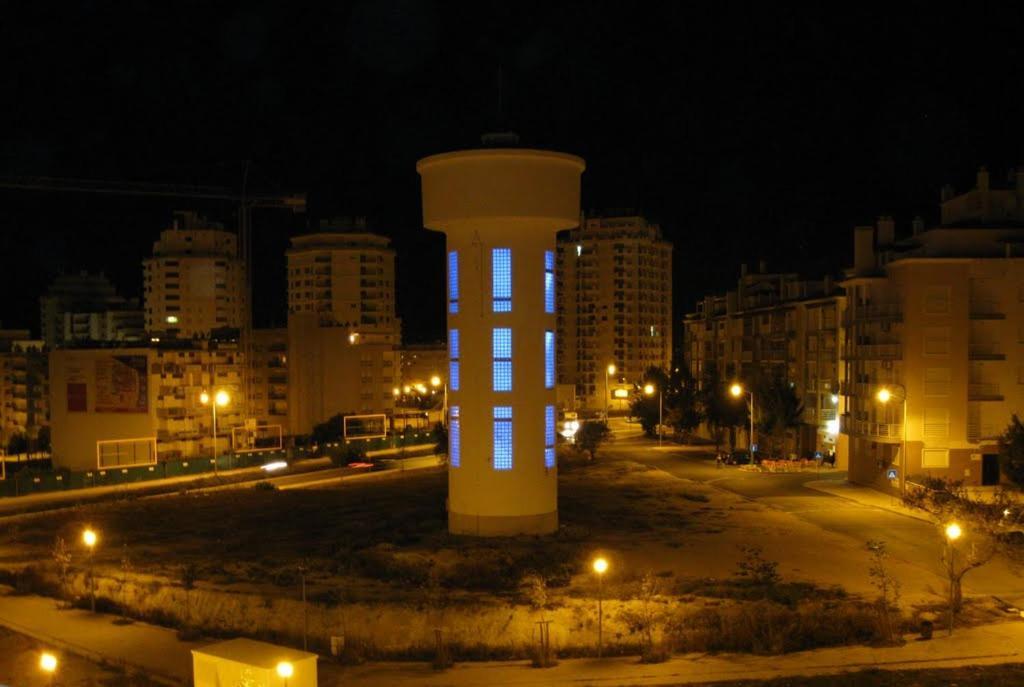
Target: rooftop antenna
502, 138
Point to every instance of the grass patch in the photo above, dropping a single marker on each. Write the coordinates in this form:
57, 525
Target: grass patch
1006, 675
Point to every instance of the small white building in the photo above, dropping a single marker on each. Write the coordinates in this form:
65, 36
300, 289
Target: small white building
248, 663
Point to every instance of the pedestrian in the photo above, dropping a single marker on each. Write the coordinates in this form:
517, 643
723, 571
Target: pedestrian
718, 460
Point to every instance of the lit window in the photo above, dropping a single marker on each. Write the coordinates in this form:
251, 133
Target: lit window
549, 281
453, 282
501, 348
453, 359
454, 445
501, 279
549, 436
549, 360
503, 437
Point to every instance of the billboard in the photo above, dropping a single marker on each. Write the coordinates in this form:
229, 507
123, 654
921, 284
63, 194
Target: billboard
121, 384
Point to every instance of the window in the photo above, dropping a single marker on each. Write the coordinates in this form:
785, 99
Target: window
502, 459
549, 281
936, 423
937, 381
454, 439
549, 360
549, 436
501, 349
501, 279
935, 458
453, 282
453, 359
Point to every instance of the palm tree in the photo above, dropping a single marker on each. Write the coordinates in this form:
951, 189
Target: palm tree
779, 410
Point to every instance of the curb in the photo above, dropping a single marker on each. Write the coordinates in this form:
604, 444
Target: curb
815, 485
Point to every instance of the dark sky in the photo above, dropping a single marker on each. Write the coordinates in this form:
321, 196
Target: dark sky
747, 133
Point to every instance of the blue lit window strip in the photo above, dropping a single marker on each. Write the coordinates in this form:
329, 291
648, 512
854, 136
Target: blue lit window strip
501, 279
454, 438
549, 281
502, 459
549, 426
549, 360
501, 352
549, 457
453, 359
453, 282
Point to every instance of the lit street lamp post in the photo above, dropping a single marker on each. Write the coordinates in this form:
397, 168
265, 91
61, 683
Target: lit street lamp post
89, 538
884, 395
48, 664
435, 382
284, 671
737, 390
953, 533
608, 370
221, 398
649, 390
600, 568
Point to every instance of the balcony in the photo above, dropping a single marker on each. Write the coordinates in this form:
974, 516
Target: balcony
984, 351
883, 432
986, 309
983, 391
884, 351
882, 311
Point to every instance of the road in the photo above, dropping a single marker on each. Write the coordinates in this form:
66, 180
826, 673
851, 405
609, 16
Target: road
909, 539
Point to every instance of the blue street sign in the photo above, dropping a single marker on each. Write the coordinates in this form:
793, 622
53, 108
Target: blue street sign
817, 454
754, 448
892, 474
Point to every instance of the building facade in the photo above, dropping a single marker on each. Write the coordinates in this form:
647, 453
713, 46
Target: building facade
269, 381
774, 325
85, 307
614, 277
937, 320
24, 389
422, 362
194, 283
342, 330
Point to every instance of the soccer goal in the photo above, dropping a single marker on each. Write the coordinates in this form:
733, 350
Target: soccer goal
125, 453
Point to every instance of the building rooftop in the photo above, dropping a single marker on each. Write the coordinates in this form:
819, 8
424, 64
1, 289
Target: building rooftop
253, 653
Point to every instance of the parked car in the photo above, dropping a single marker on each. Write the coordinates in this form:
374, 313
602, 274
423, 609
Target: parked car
738, 457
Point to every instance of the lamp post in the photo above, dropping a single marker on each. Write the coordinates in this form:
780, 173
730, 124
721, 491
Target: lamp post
610, 370
600, 568
284, 671
220, 398
953, 533
649, 390
435, 382
884, 395
48, 664
737, 390
89, 538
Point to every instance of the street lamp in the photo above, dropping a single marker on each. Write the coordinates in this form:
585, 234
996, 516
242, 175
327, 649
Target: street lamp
737, 390
89, 538
953, 532
884, 395
600, 566
48, 664
284, 671
220, 398
435, 382
610, 370
649, 390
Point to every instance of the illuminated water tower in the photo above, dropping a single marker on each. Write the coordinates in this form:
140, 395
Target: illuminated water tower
500, 209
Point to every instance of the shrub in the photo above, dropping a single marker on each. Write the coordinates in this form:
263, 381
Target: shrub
381, 563
264, 486
354, 452
757, 570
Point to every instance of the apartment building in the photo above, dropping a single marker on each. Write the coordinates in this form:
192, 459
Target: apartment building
194, 283
269, 403
937, 320
342, 329
117, 406
614, 283
423, 362
24, 388
85, 307
774, 325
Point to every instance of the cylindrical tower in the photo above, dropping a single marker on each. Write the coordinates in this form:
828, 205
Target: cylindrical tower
500, 210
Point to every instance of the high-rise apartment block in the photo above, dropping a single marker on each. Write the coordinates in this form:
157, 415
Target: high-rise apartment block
85, 307
24, 388
195, 282
774, 325
614, 278
342, 329
936, 319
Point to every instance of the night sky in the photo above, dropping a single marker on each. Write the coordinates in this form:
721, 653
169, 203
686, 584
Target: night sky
746, 134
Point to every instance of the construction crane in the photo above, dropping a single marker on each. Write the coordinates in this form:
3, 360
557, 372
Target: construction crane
246, 202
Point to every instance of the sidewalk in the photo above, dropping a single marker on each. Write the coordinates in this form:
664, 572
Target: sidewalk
866, 496
158, 651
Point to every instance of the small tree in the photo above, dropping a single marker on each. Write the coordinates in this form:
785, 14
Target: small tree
757, 570
888, 602
62, 557
440, 436
126, 569
188, 576
647, 618
590, 436
780, 409
1011, 452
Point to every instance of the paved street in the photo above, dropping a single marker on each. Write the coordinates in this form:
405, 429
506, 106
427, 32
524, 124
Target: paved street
909, 539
